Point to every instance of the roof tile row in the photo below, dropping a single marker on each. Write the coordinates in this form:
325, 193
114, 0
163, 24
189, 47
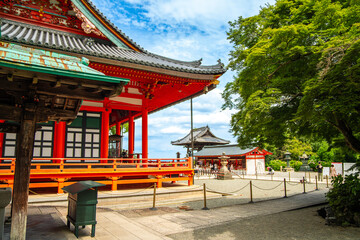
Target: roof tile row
39, 36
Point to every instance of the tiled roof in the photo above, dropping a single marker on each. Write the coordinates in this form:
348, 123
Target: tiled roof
201, 135
112, 25
229, 150
48, 38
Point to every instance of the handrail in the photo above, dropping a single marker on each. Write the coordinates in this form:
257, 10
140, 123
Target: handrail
40, 165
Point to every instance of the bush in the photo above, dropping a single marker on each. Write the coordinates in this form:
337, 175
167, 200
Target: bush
344, 199
295, 164
275, 164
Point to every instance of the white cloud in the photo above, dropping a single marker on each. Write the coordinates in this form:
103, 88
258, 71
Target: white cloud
208, 15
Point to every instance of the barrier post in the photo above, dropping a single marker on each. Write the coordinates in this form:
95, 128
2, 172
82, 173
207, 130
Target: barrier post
289, 176
205, 207
316, 181
327, 181
304, 184
154, 198
309, 177
251, 193
285, 194
272, 176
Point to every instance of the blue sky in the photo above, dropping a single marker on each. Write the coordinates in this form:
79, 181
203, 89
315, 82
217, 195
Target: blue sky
185, 30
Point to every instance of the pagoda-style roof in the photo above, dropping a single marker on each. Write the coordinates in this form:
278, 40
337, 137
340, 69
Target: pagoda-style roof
229, 150
202, 137
77, 28
98, 47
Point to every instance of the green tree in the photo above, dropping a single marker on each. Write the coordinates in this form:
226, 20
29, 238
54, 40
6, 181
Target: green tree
125, 129
297, 148
297, 67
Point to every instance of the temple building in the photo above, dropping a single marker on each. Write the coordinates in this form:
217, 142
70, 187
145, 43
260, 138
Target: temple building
251, 160
201, 137
78, 29
67, 75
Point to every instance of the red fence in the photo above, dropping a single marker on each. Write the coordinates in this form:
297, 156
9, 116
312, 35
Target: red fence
60, 172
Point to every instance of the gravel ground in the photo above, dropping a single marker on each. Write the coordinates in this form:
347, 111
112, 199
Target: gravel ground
303, 224
237, 191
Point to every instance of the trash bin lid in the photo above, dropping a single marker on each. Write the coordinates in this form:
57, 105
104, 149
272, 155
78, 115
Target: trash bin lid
82, 186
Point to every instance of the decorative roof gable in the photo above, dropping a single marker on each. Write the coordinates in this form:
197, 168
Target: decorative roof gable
77, 16
202, 136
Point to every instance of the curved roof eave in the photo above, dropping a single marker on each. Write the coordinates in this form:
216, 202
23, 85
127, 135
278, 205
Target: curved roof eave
105, 25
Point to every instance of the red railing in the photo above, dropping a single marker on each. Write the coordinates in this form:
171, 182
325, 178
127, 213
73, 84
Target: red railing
47, 171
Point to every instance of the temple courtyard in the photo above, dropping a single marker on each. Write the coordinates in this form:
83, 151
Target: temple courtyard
126, 214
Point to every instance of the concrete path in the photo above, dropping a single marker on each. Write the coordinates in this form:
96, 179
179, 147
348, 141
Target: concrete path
172, 223
49, 222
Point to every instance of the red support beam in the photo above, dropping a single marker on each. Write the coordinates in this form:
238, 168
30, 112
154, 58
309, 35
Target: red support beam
131, 134
59, 140
118, 128
118, 144
104, 153
145, 133
1, 140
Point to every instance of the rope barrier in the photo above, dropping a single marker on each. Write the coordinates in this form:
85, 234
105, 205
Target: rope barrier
293, 184
266, 189
143, 189
35, 193
195, 187
238, 190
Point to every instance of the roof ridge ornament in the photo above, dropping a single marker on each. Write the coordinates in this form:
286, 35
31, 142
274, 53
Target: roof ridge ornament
220, 64
86, 24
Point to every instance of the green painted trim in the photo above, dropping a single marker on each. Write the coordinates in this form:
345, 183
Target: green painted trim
99, 25
66, 73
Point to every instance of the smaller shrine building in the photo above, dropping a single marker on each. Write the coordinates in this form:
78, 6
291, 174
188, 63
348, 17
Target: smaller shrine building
252, 160
201, 137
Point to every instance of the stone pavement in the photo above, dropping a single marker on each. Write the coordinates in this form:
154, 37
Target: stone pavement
49, 222
172, 223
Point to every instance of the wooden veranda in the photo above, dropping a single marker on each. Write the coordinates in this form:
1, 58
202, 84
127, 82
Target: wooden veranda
61, 172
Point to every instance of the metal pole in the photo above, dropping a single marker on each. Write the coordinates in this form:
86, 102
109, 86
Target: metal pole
285, 195
316, 181
154, 198
205, 207
289, 176
251, 193
304, 185
309, 177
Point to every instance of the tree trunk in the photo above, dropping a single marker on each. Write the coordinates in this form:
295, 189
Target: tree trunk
346, 131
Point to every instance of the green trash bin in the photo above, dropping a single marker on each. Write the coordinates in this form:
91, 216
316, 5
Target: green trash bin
82, 202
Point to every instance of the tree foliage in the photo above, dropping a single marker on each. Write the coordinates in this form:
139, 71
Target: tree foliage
297, 148
297, 69
344, 199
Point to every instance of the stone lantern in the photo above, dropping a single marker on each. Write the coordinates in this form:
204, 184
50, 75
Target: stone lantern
224, 173
304, 159
287, 159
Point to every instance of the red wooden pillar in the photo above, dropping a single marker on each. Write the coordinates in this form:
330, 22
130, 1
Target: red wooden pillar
59, 140
1, 140
118, 144
145, 134
118, 128
105, 135
131, 134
